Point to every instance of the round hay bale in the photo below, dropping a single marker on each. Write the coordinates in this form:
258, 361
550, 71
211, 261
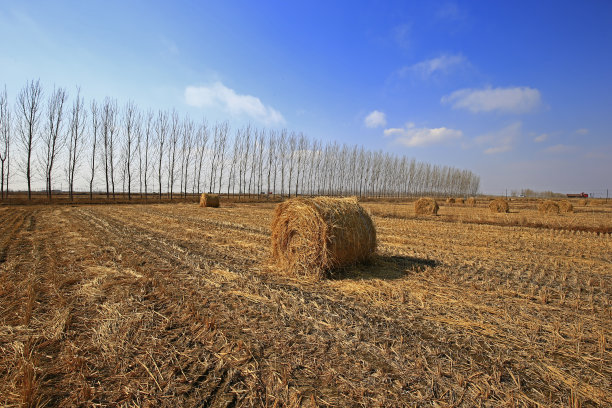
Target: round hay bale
426, 206
548, 207
471, 201
450, 200
565, 206
313, 236
499, 206
209, 200
459, 200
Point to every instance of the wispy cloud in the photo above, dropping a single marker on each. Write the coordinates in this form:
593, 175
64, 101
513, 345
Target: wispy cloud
450, 11
541, 138
502, 140
219, 96
375, 119
507, 100
402, 35
443, 64
582, 131
412, 136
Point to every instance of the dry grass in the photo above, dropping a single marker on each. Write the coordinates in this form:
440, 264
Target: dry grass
499, 206
450, 200
313, 236
426, 206
166, 305
471, 201
459, 200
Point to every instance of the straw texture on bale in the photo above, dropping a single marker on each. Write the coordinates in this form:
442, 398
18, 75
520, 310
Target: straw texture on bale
450, 200
459, 200
313, 236
565, 206
499, 206
471, 201
209, 200
426, 206
548, 207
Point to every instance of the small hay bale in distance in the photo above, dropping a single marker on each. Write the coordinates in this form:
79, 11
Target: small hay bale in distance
209, 200
426, 206
565, 206
548, 207
313, 236
471, 201
499, 206
450, 200
459, 200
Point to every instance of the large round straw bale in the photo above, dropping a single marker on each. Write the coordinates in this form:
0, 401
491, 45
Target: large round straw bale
548, 207
426, 206
313, 236
471, 201
499, 205
209, 200
450, 200
565, 206
459, 200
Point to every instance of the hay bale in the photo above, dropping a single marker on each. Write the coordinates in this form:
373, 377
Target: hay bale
426, 206
548, 207
499, 205
209, 200
565, 206
584, 202
471, 201
313, 236
459, 200
450, 200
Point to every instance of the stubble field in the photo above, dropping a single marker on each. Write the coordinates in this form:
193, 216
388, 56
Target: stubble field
175, 305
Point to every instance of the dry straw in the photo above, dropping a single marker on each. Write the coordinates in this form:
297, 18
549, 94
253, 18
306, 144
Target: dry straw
450, 200
565, 206
471, 201
209, 200
459, 200
313, 236
548, 207
499, 206
426, 206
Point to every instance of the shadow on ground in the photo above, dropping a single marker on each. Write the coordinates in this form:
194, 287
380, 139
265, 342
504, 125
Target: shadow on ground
385, 267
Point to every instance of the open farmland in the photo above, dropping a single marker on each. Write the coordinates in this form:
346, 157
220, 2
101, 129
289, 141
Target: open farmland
171, 304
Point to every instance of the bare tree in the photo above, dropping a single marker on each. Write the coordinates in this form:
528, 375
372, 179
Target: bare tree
28, 118
5, 140
130, 122
186, 148
53, 137
223, 130
271, 158
95, 128
108, 124
145, 131
202, 142
175, 130
76, 131
161, 131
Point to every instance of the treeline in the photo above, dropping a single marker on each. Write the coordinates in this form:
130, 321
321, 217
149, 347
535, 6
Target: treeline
162, 153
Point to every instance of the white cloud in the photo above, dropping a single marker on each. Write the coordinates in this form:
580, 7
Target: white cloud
218, 95
375, 119
559, 148
501, 140
582, 131
541, 138
510, 100
412, 136
442, 64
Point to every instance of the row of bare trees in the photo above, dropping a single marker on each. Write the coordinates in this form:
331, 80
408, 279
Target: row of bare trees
146, 152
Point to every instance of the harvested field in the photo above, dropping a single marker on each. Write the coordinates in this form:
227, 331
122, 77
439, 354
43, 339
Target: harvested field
169, 305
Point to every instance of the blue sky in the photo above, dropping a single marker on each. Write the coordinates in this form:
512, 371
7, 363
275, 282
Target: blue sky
518, 92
